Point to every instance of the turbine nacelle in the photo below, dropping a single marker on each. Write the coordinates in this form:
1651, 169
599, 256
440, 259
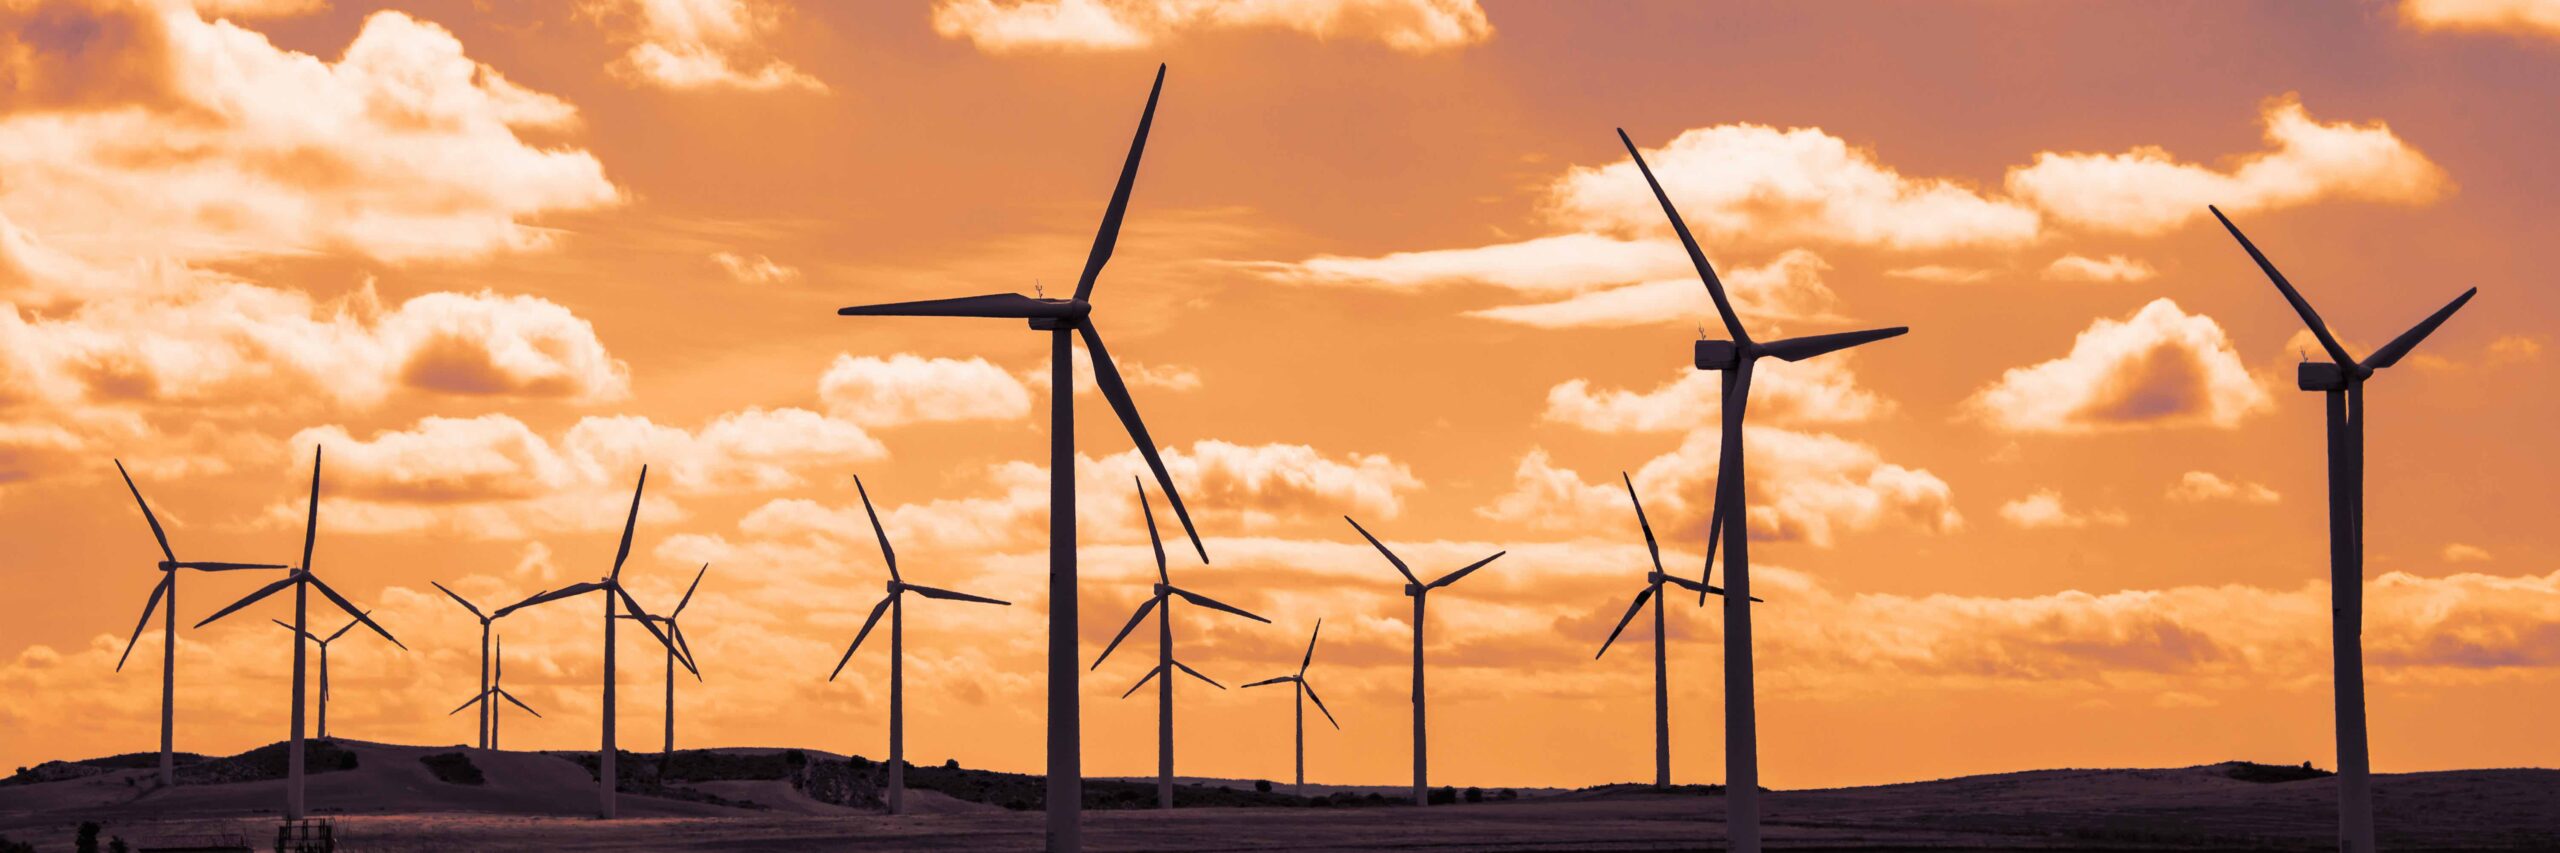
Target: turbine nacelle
1072, 314
1415, 590
1718, 355
2320, 376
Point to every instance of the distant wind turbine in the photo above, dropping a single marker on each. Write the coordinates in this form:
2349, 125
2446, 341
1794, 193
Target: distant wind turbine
323, 642
1066, 320
486, 712
2341, 380
302, 581
611, 585
167, 588
1417, 590
1162, 603
675, 632
1652, 591
894, 604
489, 695
1730, 520
1305, 692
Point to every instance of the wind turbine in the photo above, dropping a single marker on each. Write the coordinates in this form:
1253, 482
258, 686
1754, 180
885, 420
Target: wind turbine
1415, 588
489, 695
611, 585
1065, 320
894, 604
2341, 380
1162, 603
324, 663
1652, 591
486, 712
302, 581
675, 632
1730, 519
167, 588
1305, 692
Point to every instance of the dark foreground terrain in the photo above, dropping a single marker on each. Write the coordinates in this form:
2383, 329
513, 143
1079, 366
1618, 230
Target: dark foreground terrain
401, 798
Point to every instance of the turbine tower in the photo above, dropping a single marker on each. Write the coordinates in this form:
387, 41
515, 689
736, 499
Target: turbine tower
489, 695
1730, 519
611, 585
1417, 590
486, 724
167, 588
1162, 603
2341, 380
1652, 591
675, 632
1065, 320
323, 642
1305, 692
302, 581
895, 606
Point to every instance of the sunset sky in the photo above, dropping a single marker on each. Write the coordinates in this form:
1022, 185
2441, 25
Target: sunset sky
1385, 258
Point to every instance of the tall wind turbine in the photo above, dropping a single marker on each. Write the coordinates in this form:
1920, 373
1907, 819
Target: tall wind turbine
895, 605
675, 632
2341, 380
167, 588
486, 712
1652, 591
1162, 603
611, 585
1731, 518
1305, 692
1418, 591
1065, 320
489, 695
323, 642
302, 581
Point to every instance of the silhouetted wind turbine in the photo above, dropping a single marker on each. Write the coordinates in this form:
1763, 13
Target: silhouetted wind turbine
489, 695
1731, 517
485, 620
167, 588
1415, 588
895, 605
1065, 320
1162, 603
1652, 591
302, 581
1305, 692
611, 585
324, 663
2341, 380
675, 632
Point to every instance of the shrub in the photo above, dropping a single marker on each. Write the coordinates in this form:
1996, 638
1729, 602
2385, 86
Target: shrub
1506, 794
1475, 794
1262, 785
88, 842
117, 845
8, 846
1443, 795
453, 768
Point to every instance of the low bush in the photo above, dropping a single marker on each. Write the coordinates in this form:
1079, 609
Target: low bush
453, 768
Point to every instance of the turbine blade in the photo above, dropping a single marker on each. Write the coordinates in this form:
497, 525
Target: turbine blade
1706, 271
1720, 591
1310, 659
628, 522
684, 648
1650, 546
157, 590
688, 592
341, 601
457, 599
1726, 458
887, 554
311, 522
999, 305
649, 624
1196, 674
305, 634
1799, 349
1142, 680
470, 702
1471, 568
1144, 505
1632, 609
2390, 353
252, 598
1280, 680
1108, 237
512, 700
1382, 549
1106, 378
1311, 694
342, 631
572, 590
1134, 619
876, 610
948, 595
1214, 604
1685, 583
156, 532
226, 567
2310, 317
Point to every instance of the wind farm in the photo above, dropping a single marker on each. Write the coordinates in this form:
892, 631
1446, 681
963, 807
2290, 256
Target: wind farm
1915, 334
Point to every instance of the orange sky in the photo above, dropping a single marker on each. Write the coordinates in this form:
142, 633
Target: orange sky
1385, 258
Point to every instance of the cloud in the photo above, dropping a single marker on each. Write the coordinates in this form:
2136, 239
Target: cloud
1807, 392
1803, 488
1134, 373
700, 44
1785, 289
2161, 367
1012, 26
2147, 190
1943, 274
2462, 553
2514, 349
906, 389
2112, 268
2516, 17
1559, 264
178, 137
2206, 486
754, 269
2045, 510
